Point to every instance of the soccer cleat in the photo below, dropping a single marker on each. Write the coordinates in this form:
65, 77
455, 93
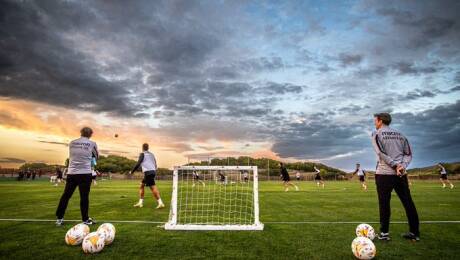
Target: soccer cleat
286, 190
384, 236
89, 222
410, 236
443, 186
296, 188
160, 206
451, 186
59, 222
139, 205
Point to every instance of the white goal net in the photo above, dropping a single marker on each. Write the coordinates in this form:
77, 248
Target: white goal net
214, 198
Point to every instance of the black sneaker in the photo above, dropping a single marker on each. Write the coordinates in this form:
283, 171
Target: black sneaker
384, 236
411, 236
89, 222
59, 222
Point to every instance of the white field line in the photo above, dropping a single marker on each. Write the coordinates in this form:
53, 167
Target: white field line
265, 222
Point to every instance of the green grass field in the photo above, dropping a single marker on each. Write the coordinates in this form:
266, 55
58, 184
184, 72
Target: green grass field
339, 201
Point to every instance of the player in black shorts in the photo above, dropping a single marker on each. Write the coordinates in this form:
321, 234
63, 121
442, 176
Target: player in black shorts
443, 176
362, 176
318, 178
197, 178
286, 178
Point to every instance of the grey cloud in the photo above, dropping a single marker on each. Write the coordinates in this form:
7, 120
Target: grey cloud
11, 160
56, 143
348, 59
416, 94
409, 68
434, 133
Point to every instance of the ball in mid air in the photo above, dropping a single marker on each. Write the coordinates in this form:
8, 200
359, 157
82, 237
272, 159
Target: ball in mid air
116, 136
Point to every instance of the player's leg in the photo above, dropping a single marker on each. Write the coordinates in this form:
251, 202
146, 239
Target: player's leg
84, 186
384, 187
156, 194
202, 182
448, 182
293, 185
140, 204
403, 191
70, 187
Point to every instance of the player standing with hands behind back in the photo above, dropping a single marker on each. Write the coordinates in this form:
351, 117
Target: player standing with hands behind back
394, 155
81, 151
149, 167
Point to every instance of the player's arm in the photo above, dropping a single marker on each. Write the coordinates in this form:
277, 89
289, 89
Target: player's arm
380, 151
95, 152
138, 164
407, 157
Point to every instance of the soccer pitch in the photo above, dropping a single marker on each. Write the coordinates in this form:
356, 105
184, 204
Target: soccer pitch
313, 223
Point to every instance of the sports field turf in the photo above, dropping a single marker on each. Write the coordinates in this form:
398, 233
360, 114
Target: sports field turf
338, 202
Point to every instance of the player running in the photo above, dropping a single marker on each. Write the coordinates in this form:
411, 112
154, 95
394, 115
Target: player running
318, 178
197, 178
362, 176
443, 177
81, 151
297, 176
394, 156
149, 167
286, 178
222, 178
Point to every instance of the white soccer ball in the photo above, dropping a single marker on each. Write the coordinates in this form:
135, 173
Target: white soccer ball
363, 248
93, 243
76, 234
365, 230
109, 232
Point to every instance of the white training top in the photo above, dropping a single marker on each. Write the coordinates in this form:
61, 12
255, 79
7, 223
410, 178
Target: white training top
81, 151
360, 172
149, 163
443, 170
317, 170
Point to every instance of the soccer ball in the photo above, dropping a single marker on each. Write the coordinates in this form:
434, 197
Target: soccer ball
363, 248
75, 235
109, 232
93, 243
365, 230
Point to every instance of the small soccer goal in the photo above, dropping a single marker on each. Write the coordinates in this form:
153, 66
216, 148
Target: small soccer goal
214, 198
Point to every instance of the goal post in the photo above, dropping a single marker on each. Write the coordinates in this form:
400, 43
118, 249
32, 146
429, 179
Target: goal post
214, 198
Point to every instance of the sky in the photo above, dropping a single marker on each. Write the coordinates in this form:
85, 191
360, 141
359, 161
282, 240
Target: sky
289, 80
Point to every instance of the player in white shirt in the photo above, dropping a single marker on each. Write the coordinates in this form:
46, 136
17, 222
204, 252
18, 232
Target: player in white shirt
443, 177
297, 176
197, 178
362, 176
149, 167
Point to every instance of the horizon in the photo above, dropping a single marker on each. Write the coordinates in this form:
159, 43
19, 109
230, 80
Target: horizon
291, 81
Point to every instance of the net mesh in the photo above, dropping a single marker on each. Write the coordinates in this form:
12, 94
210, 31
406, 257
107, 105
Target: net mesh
215, 197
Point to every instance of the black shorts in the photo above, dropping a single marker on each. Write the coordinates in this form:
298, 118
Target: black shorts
317, 177
59, 176
444, 176
149, 178
298, 178
286, 178
361, 178
93, 177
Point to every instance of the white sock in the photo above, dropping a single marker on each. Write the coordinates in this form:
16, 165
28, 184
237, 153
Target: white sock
141, 201
160, 202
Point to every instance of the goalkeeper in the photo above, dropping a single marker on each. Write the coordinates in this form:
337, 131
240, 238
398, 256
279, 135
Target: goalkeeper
149, 168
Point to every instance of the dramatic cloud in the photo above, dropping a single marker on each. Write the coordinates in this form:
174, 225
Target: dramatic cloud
195, 77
